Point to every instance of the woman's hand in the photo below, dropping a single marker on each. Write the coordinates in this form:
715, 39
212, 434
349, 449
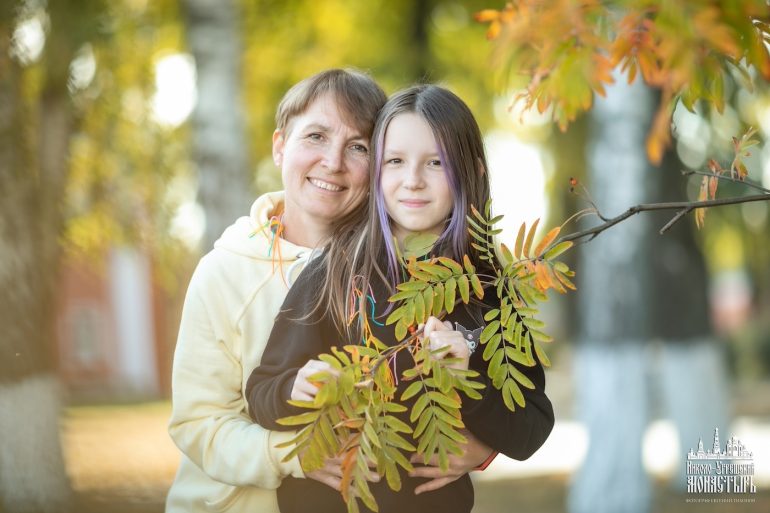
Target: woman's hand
304, 390
441, 335
475, 452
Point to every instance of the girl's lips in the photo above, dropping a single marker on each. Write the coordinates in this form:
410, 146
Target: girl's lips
414, 203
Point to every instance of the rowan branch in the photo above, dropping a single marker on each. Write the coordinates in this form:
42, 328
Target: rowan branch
684, 206
744, 181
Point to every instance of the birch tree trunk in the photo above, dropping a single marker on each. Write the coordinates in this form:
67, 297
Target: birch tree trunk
33, 168
219, 142
613, 300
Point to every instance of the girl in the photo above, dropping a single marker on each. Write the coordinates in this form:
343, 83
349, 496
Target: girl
428, 169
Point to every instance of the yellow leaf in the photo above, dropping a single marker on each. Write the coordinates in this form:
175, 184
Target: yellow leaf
530, 237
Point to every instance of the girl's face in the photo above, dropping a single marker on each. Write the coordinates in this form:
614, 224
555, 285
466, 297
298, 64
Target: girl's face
417, 194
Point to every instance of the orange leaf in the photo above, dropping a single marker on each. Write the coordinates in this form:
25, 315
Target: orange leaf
347, 469
713, 182
487, 15
547, 240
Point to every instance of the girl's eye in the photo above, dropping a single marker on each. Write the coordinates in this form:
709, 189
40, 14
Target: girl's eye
394, 161
434, 163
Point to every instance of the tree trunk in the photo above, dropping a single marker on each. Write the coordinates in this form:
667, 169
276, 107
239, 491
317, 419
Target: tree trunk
613, 308
33, 167
219, 142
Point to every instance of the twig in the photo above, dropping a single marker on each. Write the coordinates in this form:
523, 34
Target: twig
685, 206
748, 183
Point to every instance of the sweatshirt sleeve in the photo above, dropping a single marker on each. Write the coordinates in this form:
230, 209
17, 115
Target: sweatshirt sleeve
516, 434
296, 339
208, 421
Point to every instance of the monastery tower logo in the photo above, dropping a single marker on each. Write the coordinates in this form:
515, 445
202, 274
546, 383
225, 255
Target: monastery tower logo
715, 471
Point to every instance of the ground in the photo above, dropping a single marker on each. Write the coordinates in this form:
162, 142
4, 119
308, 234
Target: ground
120, 460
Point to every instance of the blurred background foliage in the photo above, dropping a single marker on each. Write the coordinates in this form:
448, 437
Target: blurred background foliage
131, 177
97, 136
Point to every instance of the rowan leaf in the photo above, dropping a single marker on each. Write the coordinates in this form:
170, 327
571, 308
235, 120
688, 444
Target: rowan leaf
530, 237
464, 286
547, 240
520, 241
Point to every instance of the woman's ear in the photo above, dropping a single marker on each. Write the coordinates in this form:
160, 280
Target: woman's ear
278, 143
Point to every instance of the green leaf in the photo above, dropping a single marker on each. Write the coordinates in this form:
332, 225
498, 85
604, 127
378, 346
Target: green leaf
540, 336
451, 264
464, 285
443, 399
298, 420
411, 285
419, 309
517, 356
425, 419
489, 330
427, 297
438, 298
542, 356
491, 346
449, 295
411, 390
494, 364
477, 288
404, 294
557, 250
418, 407
439, 413
513, 389
400, 331
520, 377
492, 314
395, 315
371, 434
532, 323
418, 244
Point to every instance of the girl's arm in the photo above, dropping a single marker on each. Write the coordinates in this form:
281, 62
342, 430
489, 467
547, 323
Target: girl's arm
516, 434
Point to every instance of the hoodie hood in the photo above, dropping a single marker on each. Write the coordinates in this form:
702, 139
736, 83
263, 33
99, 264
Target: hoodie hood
252, 236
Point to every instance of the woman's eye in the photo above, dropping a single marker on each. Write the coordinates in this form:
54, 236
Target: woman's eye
360, 148
315, 137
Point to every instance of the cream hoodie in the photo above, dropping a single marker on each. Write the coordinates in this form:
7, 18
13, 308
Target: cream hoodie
228, 462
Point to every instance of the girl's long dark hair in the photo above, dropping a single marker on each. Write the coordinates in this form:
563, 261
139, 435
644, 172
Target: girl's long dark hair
362, 250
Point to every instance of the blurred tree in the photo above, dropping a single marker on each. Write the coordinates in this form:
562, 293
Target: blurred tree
76, 172
35, 130
219, 141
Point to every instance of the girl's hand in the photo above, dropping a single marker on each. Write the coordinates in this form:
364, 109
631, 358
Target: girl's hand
474, 453
304, 390
441, 335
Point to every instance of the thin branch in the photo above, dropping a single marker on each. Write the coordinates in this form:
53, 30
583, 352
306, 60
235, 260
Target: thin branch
748, 183
673, 220
676, 205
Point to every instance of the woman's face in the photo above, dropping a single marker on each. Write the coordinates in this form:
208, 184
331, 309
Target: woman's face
417, 194
324, 163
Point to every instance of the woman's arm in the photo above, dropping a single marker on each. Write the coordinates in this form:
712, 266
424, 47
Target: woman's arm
207, 422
